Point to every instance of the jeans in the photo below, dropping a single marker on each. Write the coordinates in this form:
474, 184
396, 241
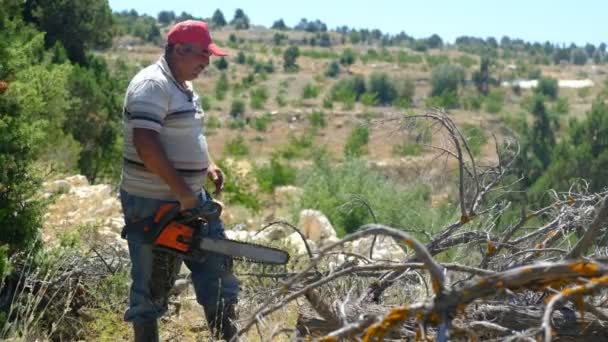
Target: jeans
154, 272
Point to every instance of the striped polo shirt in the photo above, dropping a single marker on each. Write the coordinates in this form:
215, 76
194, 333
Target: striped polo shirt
156, 101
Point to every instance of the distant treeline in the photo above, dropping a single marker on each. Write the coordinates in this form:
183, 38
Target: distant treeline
146, 28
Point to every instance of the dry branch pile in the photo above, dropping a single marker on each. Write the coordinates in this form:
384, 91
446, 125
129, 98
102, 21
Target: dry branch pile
530, 281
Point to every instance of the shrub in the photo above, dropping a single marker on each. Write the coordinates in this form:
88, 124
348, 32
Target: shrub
448, 100
221, 87
237, 109
317, 119
348, 57
205, 102
356, 143
578, 56
472, 102
347, 88
275, 174
261, 67
239, 190
548, 87
405, 58
236, 147
333, 69
331, 189
466, 61
310, 91
494, 101
446, 78
561, 106
240, 58
259, 97
383, 87
260, 123
434, 60
296, 147
221, 63
328, 102
280, 100
290, 57
475, 138
407, 149
369, 99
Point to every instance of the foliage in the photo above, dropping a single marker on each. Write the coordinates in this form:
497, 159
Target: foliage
348, 57
348, 89
356, 143
310, 91
297, 147
78, 25
494, 101
217, 19
333, 69
434, 60
548, 87
260, 123
475, 138
482, 77
331, 190
239, 189
236, 147
407, 149
290, 57
369, 99
221, 86
578, 57
446, 78
279, 25
259, 96
240, 20
562, 106
275, 174
165, 17
221, 63
237, 109
317, 119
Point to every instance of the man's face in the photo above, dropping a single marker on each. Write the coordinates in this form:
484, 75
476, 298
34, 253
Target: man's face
192, 60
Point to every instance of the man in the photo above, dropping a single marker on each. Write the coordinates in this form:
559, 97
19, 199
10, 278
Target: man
166, 160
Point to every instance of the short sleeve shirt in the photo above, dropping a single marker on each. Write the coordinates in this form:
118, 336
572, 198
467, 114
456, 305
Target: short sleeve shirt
156, 101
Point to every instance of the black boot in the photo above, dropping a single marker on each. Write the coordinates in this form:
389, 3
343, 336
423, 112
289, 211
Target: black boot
222, 321
146, 332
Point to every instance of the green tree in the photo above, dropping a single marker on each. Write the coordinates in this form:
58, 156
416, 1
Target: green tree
383, 87
290, 57
579, 57
240, 20
279, 25
347, 58
446, 78
78, 24
547, 87
481, 78
166, 17
218, 19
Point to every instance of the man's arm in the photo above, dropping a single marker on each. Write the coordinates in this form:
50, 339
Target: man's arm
151, 151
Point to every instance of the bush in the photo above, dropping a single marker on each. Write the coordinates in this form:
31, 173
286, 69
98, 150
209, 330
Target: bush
494, 101
561, 106
475, 138
434, 60
259, 97
221, 63
466, 61
547, 87
310, 91
239, 189
472, 102
317, 119
236, 147
280, 100
237, 109
407, 149
296, 147
205, 102
383, 87
348, 88
261, 123
328, 102
240, 58
578, 57
448, 100
276, 174
261, 67
348, 57
221, 87
331, 189
369, 99
446, 78
356, 143
333, 69
290, 57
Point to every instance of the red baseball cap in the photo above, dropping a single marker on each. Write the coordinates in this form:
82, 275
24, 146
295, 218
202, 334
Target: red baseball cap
194, 31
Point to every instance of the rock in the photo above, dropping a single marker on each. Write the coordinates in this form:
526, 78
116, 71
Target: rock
295, 241
385, 248
78, 180
315, 226
287, 194
61, 186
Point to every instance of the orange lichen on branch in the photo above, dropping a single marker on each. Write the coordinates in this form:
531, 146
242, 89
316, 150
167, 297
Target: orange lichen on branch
585, 268
328, 339
491, 248
378, 330
3, 86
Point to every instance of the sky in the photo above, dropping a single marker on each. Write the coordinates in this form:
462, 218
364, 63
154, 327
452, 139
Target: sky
557, 21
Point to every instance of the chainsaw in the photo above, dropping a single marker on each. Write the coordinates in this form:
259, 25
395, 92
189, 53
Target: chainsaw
186, 233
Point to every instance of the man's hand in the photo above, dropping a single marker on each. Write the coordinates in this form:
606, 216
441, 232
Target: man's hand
217, 177
188, 202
